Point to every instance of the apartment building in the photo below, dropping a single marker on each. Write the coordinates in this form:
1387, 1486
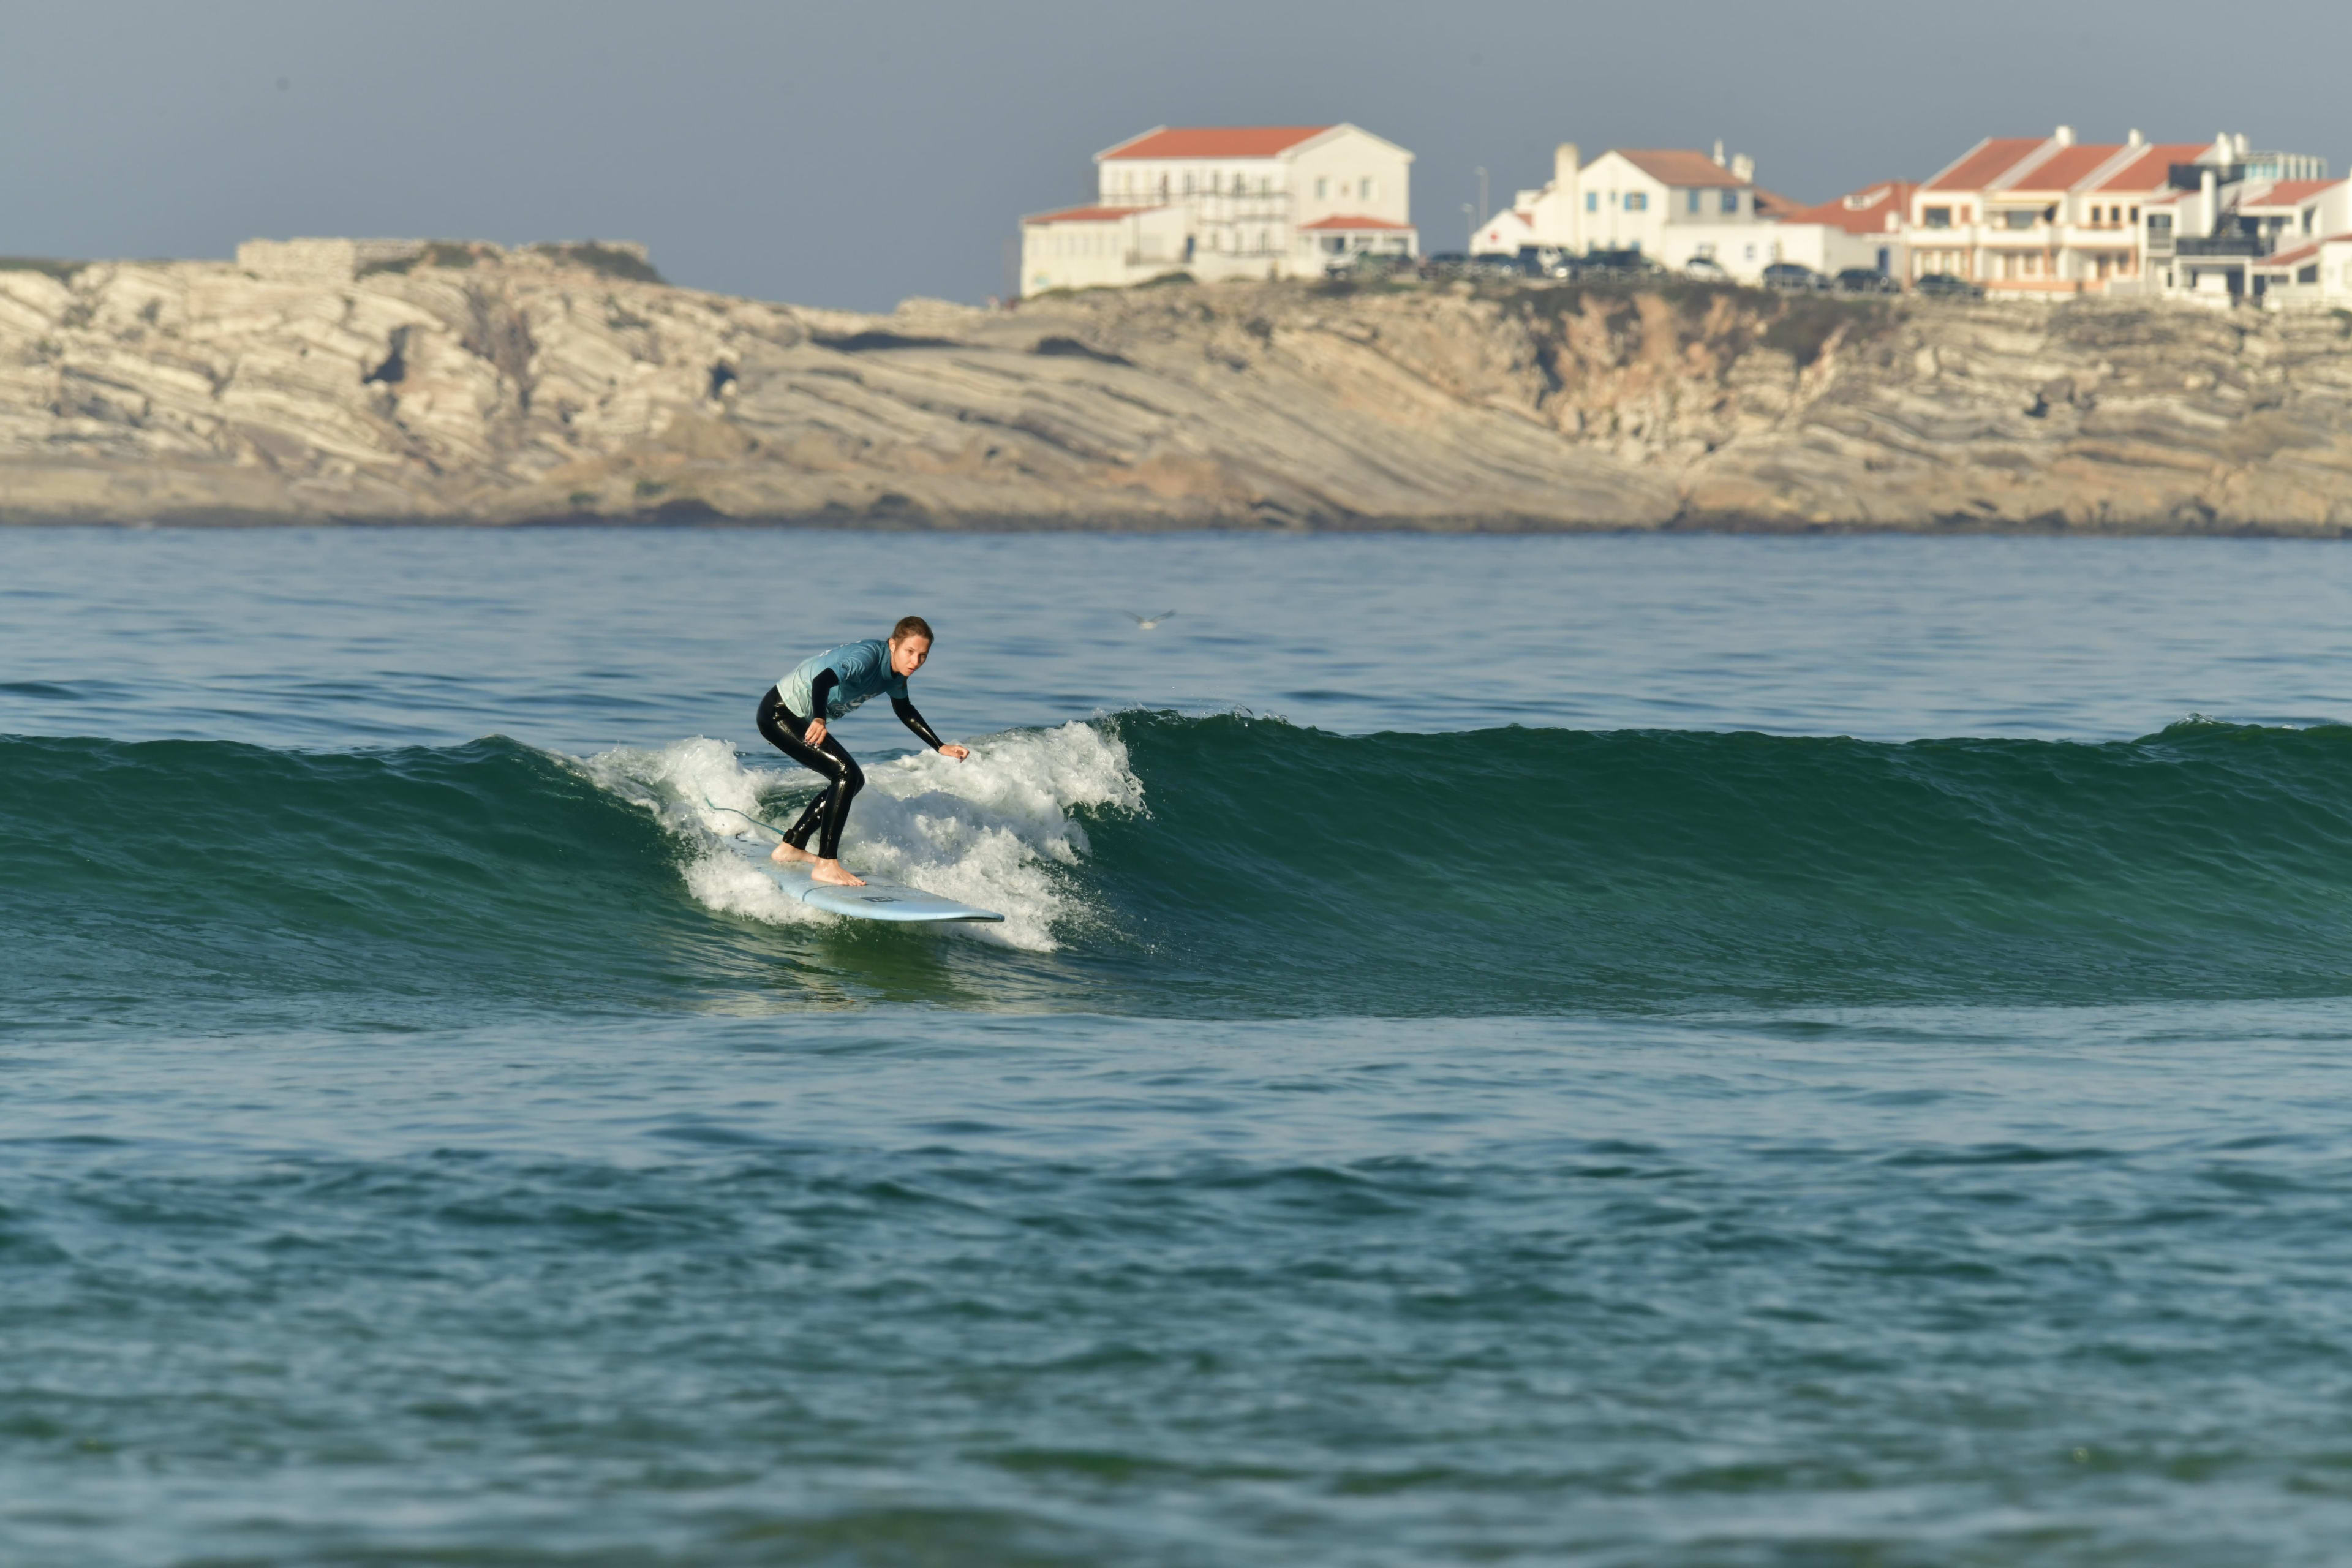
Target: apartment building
2052, 216
1268, 201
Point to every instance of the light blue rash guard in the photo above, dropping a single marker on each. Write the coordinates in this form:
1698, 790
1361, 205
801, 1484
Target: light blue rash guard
861, 672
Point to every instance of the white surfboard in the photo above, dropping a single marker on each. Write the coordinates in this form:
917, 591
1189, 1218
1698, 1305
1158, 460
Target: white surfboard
879, 899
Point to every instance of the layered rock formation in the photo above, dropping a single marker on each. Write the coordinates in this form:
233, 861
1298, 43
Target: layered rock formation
467, 383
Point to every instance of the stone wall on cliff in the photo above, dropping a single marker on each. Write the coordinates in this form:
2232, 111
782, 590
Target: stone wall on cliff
476, 385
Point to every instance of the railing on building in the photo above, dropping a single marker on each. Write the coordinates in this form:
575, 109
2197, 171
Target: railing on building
2245, 244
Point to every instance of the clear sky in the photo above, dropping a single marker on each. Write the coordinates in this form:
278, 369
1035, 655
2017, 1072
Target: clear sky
851, 155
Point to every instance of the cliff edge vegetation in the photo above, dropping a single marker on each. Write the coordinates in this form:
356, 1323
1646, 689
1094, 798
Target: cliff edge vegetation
494, 386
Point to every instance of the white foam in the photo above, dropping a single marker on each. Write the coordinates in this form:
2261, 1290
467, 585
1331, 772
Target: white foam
989, 830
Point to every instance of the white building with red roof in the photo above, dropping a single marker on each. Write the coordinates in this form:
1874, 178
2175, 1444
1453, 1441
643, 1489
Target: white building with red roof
1680, 207
2053, 215
1666, 202
1216, 202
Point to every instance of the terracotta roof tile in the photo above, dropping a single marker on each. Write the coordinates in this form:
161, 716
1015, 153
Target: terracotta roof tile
1350, 220
2303, 252
1679, 166
2063, 169
1876, 202
1215, 142
2289, 194
1978, 168
1084, 215
2152, 169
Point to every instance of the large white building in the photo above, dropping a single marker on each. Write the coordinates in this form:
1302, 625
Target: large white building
1268, 201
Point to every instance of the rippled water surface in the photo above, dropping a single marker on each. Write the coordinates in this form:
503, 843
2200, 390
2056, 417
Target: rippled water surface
1612, 1050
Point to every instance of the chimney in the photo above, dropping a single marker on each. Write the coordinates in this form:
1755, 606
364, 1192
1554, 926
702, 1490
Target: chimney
1743, 168
2064, 136
1566, 164
2207, 193
1719, 151
2134, 138
2243, 146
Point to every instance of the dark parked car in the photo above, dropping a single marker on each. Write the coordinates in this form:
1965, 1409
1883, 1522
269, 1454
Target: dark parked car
1865, 280
1794, 276
1943, 286
1614, 265
1445, 263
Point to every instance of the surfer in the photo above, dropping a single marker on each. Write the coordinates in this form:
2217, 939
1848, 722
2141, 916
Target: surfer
794, 715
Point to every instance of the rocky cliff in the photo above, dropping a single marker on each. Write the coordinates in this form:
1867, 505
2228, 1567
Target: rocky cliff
467, 383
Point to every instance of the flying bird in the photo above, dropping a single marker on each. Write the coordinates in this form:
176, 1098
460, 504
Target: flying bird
1145, 623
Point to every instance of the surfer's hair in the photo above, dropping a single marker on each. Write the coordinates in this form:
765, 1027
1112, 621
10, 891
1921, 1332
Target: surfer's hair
912, 627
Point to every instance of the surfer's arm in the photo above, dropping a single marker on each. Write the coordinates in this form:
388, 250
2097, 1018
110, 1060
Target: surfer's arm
914, 720
819, 701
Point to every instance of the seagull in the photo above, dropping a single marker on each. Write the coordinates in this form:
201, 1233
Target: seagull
1145, 623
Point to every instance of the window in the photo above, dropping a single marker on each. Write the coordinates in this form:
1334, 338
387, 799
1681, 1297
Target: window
1936, 218
1364, 188
1592, 201
1188, 182
1731, 201
1637, 201
2019, 218
1691, 202
1322, 189
2135, 215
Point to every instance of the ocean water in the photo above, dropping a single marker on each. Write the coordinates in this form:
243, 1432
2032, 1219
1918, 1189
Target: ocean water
1610, 1050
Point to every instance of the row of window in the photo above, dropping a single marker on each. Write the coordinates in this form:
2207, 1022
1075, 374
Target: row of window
1638, 201
2102, 216
1217, 182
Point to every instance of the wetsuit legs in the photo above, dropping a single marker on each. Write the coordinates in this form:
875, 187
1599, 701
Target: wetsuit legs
828, 814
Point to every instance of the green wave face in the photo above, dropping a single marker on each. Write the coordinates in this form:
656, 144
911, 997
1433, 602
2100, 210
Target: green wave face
1239, 867
1524, 871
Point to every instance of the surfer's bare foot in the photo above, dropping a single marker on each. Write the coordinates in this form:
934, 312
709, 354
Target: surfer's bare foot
785, 854
833, 874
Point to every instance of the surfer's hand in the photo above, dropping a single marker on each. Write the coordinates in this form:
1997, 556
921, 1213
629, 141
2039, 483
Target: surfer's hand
814, 735
958, 753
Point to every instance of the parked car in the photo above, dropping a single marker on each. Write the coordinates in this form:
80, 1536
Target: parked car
1445, 263
1943, 286
1361, 264
1794, 276
1614, 266
1704, 270
1545, 261
1865, 280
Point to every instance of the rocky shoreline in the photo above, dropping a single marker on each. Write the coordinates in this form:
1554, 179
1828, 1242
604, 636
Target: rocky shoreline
484, 386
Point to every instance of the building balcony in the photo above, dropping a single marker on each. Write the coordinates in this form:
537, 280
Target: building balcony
2223, 244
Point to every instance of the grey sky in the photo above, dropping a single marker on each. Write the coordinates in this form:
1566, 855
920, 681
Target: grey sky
853, 154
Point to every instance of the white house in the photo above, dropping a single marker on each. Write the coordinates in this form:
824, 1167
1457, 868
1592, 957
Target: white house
1670, 204
1268, 201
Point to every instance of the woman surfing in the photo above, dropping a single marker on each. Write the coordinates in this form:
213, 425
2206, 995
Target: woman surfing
795, 716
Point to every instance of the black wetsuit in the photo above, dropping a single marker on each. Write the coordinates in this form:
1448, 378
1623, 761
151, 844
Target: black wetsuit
828, 814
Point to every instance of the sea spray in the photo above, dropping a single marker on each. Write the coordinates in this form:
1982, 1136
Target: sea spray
990, 830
